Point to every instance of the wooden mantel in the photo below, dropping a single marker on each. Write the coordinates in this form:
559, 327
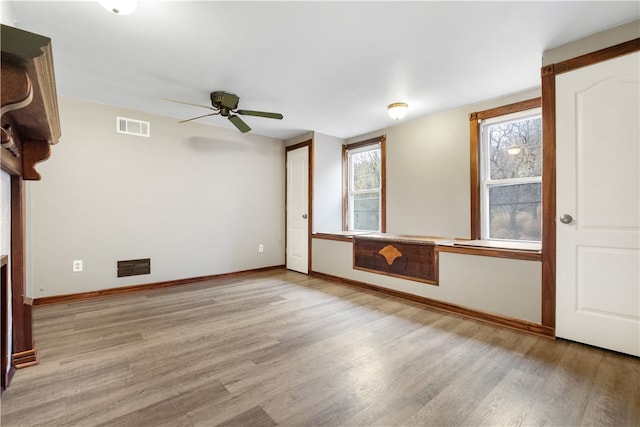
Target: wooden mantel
29, 125
29, 105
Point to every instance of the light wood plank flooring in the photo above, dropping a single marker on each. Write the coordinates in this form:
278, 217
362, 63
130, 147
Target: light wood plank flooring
281, 348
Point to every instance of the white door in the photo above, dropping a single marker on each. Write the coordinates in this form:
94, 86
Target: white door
297, 209
598, 198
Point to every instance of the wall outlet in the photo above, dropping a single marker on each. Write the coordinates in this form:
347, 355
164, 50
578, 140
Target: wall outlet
77, 265
260, 247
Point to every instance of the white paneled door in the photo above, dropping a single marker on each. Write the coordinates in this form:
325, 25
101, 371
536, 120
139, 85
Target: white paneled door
598, 199
297, 209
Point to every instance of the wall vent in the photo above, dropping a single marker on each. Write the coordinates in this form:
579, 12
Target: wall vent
133, 127
134, 267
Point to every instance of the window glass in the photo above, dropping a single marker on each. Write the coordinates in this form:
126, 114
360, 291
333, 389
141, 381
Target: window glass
364, 189
511, 177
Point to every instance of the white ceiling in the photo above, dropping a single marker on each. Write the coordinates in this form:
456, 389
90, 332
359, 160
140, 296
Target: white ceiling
332, 67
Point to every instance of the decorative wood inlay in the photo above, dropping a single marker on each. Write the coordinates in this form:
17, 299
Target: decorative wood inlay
390, 253
406, 257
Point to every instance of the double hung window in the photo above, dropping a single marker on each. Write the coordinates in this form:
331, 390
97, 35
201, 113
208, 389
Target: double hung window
364, 186
511, 176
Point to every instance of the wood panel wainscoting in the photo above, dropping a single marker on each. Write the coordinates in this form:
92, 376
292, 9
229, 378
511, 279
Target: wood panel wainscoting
407, 257
30, 124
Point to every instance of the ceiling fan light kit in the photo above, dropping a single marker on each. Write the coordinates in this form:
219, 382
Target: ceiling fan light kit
225, 104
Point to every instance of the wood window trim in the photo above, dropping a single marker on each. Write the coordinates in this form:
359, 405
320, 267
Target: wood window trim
474, 153
382, 140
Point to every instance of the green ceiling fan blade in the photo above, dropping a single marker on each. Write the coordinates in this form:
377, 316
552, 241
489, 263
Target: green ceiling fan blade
277, 116
239, 123
191, 103
199, 117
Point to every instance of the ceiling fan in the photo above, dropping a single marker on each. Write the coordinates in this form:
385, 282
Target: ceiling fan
226, 104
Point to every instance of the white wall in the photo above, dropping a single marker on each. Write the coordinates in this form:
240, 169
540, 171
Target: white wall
194, 198
327, 182
428, 163
7, 17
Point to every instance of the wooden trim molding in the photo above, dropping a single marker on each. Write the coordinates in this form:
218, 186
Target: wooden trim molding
6, 368
22, 310
493, 319
383, 183
474, 174
597, 56
549, 196
63, 299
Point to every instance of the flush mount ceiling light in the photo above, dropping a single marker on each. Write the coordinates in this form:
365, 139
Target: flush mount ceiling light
397, 110
119, 7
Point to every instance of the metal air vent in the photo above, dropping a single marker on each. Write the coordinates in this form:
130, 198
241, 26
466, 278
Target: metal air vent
133, 127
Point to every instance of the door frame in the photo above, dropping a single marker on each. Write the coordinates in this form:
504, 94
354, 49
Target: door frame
307, 143
548, 74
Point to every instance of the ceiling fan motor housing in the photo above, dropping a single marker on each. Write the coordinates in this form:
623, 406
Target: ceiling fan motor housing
224, 100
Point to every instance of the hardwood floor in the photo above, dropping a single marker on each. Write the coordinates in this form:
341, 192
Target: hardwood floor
284, 349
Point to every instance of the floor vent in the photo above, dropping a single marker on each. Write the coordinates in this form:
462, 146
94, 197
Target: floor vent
133, 127
134, 267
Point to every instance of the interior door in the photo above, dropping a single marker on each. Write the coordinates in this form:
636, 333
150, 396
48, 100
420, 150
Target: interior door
598, 192
297, 209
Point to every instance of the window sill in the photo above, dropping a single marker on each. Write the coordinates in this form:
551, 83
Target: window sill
491, 248
340, 236
500, 249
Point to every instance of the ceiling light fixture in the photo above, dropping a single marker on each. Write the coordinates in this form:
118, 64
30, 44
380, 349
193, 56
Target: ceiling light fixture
119, 7
397, 110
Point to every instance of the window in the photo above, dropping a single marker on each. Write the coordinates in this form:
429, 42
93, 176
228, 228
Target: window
509, 173
364, 186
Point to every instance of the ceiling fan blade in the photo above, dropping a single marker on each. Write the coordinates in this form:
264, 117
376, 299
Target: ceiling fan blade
191, 103
260, 114
199, 117
239, 123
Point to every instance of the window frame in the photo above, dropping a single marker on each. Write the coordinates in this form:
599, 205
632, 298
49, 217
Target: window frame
346, 178
479, 220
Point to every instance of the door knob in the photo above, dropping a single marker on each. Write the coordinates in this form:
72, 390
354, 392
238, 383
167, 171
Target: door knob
304, 216
566, 219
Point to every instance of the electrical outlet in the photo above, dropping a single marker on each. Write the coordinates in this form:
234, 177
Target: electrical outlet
260, 247
77, 265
